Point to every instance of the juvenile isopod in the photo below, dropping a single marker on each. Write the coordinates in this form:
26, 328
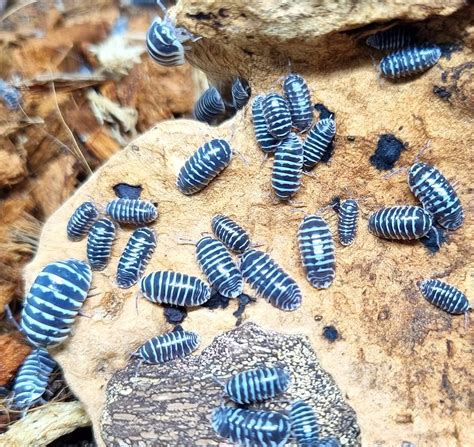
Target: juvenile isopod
277, 115
99, 243
347, 221
230, 233
132, 211
267, 142
81, 221
445, 296
394, 38
317, 142
210, 106
299, 101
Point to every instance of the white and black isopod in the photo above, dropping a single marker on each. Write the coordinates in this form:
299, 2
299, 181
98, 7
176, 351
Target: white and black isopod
404, 222
203, 166
267, 142
135, 257
277, 115
230, 233
410, 61
317, 142
250, 427
317, 251
54, 300
99, 243
304, 425
210, 106
81, 221
347, 221
32, 379
437, 195
170, 346
299, 101
240, 93
394, 38
445, 296
174, 288
270, 281
132, 211
219, 267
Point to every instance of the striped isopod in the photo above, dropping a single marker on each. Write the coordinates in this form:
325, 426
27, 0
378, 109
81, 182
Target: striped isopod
410, 61
256, 385
10, 95
132, 211
203, 166
445, 296
317, 142
164, 42
32, 379
135, 257
288, 167
174, 288
250, 427
347, 222
394, 38
268, 143
81, 221
219, 267
436, 194
55, 298
170, 346
299, 101
304, 424
230, 233
240, 93
400, 222
317, 251
210, 106
270, 281
99, 243
277, 115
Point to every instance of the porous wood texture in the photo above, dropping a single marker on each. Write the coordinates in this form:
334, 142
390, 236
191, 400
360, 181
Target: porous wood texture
402, 364
171, 404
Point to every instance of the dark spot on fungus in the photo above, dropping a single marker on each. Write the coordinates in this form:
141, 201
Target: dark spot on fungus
223, 12
126, 191
434, 239
330, 333
318, 317
216, 301
388, 151
202, 16
248, 52
442, 92
384, 315
175, 314
244, 300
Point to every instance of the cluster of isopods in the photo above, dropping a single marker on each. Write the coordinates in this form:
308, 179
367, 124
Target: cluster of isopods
248, 427
410, 58
211, 108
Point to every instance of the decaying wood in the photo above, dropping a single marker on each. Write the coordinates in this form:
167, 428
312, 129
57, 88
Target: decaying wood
171, 404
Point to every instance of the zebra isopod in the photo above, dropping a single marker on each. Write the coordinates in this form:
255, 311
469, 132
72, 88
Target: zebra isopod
99, 243
445, 296
400, 222
270, 281
32, 379
437, 195
317, 142
267, 142
347, 221
277, 115
251, 427
394, 38
203, 166
256, 385
304, 424
316, 246
135, 257
174, 288
219, 267
409, 61
54, 300
81, 221
288, 167
132, 211
170, 346
230, 233
210, 106
240, 93
299, 101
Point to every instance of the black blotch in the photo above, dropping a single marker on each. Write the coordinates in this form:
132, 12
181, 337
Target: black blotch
447, 49
202, 16
434, 239
244, 301
330, 333
336, 204
223, 12
442, 92
388, 151
248, 52
456, 74
324, 112
351, 138
79, 437
126, 191
216, 301
444, 76
175, 314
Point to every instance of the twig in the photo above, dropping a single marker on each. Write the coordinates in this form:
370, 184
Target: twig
16, 9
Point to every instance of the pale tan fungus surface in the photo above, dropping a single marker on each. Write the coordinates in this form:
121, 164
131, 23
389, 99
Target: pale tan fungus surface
403, 364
